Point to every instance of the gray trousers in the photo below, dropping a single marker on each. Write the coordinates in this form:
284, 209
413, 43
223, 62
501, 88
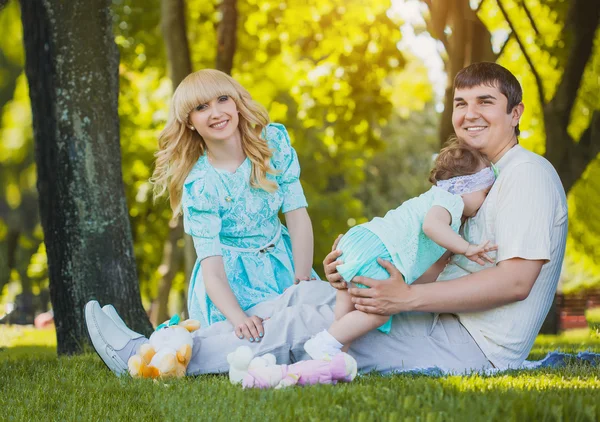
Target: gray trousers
416, 341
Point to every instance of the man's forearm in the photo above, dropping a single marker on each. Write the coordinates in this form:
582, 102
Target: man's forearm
485, 289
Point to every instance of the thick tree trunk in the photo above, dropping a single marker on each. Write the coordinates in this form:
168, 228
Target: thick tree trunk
571, 158
178, 55
227, 36
72, 68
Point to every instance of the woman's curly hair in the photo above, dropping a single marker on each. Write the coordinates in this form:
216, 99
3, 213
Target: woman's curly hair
180, 147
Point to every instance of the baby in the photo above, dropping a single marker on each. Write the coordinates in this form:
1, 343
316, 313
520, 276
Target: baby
413, 237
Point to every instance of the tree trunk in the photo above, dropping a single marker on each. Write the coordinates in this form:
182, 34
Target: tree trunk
470, 42
74, 98
571, 158
180, 65
8, 250
227, 36
176, 43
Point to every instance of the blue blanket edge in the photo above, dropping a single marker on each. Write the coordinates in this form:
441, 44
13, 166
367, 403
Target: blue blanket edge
555, 359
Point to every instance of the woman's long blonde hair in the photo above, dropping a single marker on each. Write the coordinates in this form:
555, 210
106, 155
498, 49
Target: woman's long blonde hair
179, 147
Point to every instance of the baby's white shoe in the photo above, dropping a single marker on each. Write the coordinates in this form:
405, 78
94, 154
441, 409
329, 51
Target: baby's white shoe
323, 346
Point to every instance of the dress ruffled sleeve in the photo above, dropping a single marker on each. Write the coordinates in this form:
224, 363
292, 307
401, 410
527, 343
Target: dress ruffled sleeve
201, 218
285, 160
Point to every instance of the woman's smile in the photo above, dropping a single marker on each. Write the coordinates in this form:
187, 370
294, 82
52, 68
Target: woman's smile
219, 125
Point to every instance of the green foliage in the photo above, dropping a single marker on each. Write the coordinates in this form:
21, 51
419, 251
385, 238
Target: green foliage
401, 170
324, 69
333, 101
593, 318
11, 50
358, 111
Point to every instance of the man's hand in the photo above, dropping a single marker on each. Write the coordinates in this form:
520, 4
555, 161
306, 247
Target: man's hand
384, 297
330, 264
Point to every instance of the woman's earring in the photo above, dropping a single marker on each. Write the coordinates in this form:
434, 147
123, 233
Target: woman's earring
192, 128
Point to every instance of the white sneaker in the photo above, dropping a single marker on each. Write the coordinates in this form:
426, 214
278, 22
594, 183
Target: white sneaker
112, 313
323, 346
108, 338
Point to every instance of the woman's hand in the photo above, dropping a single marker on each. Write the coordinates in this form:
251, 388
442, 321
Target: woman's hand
384, 297
251, 328
330, 264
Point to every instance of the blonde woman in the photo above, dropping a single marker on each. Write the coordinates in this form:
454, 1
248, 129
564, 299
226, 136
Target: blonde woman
230, 172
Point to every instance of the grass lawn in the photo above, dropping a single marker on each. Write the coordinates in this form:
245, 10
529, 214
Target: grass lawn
35, 385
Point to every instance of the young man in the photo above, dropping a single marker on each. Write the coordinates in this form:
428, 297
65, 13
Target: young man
502, 306
474, 317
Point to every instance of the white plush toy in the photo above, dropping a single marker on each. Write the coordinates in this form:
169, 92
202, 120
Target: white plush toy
167, 352
263, 372
242, 360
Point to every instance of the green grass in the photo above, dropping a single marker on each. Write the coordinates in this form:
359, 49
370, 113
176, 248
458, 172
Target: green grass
36, 385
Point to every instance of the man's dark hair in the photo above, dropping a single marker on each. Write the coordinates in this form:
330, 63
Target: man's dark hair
494, 75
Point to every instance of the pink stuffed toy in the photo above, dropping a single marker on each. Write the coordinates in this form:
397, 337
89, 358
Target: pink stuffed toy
342, 367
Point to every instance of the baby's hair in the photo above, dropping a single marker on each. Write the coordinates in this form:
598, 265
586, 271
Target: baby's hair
456, 159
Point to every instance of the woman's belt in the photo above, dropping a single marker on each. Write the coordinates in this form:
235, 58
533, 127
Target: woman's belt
270, 245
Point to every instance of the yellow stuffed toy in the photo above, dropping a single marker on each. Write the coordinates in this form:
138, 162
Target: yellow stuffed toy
168, 351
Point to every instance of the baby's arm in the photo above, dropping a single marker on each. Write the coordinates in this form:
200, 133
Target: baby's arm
435, 270
437, 227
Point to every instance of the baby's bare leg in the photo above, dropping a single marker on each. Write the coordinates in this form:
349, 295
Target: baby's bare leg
343, 304
354, 325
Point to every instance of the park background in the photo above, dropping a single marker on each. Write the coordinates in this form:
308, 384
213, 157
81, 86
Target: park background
362, 86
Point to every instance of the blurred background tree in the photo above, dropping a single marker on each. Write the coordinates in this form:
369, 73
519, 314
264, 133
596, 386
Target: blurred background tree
363, 105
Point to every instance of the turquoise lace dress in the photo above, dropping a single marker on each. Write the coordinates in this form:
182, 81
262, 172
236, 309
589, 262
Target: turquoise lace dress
227, 217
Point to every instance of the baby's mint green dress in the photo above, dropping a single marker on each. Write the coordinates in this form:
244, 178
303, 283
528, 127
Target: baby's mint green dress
227, 217
398, 237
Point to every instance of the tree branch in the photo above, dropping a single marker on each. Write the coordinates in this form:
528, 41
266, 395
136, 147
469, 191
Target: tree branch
538, 79
505, 44
590, 139
479, 6
174, 33
437, 23
530, 17
227, 35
